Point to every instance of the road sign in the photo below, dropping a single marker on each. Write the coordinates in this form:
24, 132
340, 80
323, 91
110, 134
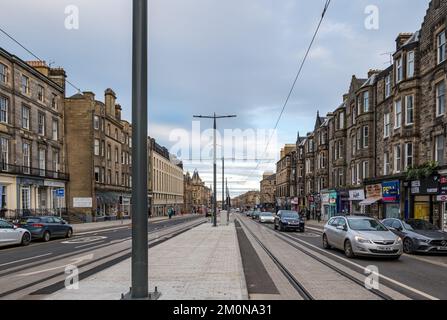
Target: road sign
60, 193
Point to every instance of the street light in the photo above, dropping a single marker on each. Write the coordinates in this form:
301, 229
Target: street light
140, 278
215, 117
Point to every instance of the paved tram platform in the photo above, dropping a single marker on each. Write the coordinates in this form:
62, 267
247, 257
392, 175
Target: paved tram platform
201, 264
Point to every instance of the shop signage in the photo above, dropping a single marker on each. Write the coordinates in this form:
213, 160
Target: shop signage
427, 186
325, 198
443, 185
82, 202
356, 195
390, 191
442, 198
333, 198
374, 191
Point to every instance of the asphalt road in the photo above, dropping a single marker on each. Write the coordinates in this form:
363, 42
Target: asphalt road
418, 277
27, 270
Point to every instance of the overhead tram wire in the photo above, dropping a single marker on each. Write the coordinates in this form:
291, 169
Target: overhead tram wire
326, 7
32, 54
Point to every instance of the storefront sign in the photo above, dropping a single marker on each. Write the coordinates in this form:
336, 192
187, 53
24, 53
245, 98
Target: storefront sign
390, 191
443, 185
427, 186
82, 202
54, 184
442, 198
374, 191
356, 195
325, 198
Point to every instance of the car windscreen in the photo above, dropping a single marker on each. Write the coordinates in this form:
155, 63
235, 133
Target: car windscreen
366, 225
266, 214
289, 215
32, 220
421, 225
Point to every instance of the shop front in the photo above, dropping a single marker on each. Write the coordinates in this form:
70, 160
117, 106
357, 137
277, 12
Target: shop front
355, 198
391, 200
328, 204
442, 199
425, 196
371, 205
8, 193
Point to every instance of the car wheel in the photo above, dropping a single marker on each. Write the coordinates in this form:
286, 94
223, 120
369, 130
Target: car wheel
46, 236
69, 233
348, 249
408, 246
26, 239
326, 244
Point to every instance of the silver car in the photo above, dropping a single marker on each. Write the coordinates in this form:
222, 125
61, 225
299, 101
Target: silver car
11, 235
266, 217
361, 236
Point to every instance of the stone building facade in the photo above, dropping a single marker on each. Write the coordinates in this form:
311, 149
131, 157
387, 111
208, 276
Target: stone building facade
284, 180
167, 180
196, 194
268, 190
246, 201
99, 156
387, 140
33, 171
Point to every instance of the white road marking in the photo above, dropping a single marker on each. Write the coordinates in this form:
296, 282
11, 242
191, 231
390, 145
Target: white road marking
31, 258
426, 295
90, 244
73, 262
84, 240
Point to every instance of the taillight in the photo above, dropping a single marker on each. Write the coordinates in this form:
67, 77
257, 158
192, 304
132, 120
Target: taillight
37, 225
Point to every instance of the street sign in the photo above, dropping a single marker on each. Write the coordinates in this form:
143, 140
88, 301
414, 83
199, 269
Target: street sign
60, 193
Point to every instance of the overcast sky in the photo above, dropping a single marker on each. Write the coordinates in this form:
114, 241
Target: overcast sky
229, 57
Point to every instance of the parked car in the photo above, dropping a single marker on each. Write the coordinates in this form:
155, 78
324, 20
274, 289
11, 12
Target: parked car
12, 235
418, 235
255, 215
266, 217
248, 213
361, 236
46, 228
289, 220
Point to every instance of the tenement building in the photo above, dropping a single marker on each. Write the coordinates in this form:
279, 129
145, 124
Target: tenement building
284, 177
33, 172
387, 140
196, 194
167, 180
99, 156
268, 190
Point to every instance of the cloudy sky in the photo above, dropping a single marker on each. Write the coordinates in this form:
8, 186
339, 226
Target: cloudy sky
229, 57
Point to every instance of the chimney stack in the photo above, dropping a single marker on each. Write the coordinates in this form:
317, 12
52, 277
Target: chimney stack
402, 38
110, 101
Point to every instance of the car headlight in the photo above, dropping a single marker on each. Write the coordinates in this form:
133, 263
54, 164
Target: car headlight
398, 241
362, 240
423, 240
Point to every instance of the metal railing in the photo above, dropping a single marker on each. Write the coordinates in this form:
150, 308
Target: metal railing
33, 172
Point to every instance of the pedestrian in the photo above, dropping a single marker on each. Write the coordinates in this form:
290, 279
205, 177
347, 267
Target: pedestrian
319, 216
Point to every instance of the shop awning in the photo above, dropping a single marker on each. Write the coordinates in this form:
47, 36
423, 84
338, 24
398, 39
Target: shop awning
370, 201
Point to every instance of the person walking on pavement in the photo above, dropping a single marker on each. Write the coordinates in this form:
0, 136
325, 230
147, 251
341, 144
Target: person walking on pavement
319, 216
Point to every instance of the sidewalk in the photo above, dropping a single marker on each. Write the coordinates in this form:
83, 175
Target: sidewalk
201, 264
91, 226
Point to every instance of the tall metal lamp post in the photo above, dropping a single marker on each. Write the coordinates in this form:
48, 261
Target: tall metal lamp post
215, 117
140, 277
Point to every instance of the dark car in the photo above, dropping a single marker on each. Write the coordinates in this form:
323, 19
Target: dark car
289, 220
46, 228
255, 215
418, 235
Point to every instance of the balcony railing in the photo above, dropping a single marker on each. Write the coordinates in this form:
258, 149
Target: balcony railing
32, 172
